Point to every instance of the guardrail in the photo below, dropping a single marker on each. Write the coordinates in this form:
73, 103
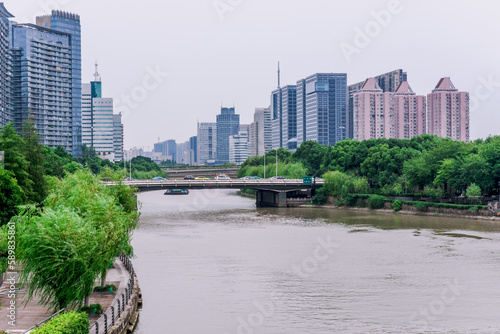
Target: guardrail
40, 324
114, 312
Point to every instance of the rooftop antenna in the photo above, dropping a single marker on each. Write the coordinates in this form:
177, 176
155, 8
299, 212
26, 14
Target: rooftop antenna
96, 74
279, 76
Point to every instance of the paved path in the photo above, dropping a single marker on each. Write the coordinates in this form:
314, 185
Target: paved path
32, 314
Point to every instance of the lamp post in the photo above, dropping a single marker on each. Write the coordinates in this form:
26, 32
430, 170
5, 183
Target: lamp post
276, 163
2, 157
264, 165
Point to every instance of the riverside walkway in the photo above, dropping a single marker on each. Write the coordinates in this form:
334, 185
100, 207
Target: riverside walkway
33, 314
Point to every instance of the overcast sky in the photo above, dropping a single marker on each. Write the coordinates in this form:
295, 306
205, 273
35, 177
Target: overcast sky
226, 51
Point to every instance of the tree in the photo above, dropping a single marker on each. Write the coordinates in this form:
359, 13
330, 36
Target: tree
67, 246
10, 196
14, 159
59, 252
474, 192
34, 154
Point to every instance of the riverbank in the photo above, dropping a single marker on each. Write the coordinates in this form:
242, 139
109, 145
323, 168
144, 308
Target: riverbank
406, 212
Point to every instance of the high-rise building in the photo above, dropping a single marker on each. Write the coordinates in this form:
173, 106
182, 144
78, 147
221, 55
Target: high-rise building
5, 68
388, 82
238, 148
284, 122
42, 83
167, 148
70, 24
276, 119
372, 107
408, 113
207, 143
448, 111
228, 124
260, 135
118, 137
322, 108
97, 120
193, 145
379, 114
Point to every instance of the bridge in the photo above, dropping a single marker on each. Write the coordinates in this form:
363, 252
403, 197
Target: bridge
270, 192
181, 173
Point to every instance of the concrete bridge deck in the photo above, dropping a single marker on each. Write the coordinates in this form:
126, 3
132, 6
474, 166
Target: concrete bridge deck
262, 184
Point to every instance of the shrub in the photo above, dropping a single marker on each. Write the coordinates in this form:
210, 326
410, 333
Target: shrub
398, 205
107, 288
320, 197
350, 199
66, 323
434, 193
93, 308
376, 202
421, 206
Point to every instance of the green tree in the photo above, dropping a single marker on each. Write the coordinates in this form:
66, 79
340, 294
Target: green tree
474, 192
14, 160
34, 154
67, 246
10, 196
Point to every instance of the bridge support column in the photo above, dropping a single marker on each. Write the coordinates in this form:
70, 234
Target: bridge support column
271, 198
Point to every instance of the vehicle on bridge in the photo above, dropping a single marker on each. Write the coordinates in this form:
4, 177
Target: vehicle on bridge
201, 178
251, 178
278, 178
158, 178
222, 177
189, 177
176, 192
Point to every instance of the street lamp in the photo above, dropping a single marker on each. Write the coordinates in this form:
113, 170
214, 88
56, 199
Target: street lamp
264, 165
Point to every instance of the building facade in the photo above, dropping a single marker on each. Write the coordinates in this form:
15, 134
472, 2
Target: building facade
276, 119
260, 135
448, 112
5, 68
408, 116
238, 148
322, 108
118, 137
379, 114
372, 108
193, 145
228, 124
97, 120
167, 148
207, 143
70, 24
388, 82
42, 83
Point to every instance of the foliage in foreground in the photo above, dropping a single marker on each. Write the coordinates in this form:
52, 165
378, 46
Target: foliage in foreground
71, 243
66, 323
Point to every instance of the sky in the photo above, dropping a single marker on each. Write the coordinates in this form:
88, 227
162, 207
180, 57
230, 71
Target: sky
169, 64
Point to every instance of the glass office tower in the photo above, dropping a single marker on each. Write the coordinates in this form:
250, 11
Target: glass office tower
228, 124
322, 108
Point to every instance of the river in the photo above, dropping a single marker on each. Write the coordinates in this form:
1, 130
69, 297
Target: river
211, 262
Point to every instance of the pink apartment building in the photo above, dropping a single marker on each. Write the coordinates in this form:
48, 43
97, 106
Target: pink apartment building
399, 115
448, 111
371, 114
408, 116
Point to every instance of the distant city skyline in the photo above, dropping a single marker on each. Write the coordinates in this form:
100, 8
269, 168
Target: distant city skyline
175, 45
